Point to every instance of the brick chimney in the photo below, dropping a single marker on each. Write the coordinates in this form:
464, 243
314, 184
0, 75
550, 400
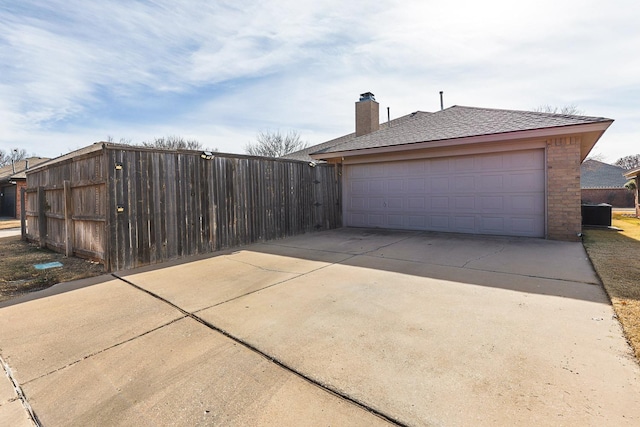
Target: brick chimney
367, 114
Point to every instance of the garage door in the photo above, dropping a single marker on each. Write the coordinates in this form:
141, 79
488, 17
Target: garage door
499, 193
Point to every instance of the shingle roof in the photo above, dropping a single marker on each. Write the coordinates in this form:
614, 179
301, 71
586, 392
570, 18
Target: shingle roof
304, 154
7, 172
458, 122
595, 174
96, 146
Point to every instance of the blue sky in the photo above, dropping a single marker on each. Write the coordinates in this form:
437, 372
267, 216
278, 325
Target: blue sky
73, 72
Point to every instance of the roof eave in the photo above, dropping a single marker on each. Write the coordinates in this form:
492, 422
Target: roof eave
593, 131
633, 173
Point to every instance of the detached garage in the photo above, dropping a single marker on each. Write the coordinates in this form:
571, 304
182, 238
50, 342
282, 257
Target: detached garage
464, 170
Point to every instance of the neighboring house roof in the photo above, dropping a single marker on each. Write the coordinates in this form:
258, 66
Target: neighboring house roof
595, 174
459, 122
7, 172
96, 146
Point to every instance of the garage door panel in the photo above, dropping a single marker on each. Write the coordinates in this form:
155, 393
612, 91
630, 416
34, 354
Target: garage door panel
491, 162
395, 185
418, 167
467, 202
527, 181
376, 203
416, 221
358, 171
377, 171
440, 184
492, 225
376, 186
395, 221
439, 166
395, 203
464, 183
531, 159
464, 164
491, 204
357, 219
523, 225
359, 187
416, 184
440, 222
491, 183
500, 193
439, 203
358, 203
416, 203
525, 204
376, 220
464, 224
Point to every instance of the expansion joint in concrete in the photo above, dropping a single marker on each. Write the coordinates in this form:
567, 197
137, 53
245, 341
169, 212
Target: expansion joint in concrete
23, 398
271, 285
105, 349
270, 358
483, 256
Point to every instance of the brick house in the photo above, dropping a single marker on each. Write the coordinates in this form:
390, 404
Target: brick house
634, 174
13, 178
464, 170
604, 183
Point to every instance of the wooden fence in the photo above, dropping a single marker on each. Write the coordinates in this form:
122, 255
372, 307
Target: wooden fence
67, 206
129, 207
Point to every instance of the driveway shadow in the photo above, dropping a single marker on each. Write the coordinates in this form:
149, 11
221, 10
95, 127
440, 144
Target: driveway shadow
520, 264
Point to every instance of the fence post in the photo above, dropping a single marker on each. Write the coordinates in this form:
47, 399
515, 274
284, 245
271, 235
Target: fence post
42, 217
23, 213
68, 221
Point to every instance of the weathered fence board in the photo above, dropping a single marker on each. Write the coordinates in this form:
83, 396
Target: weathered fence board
67, 206
129, 206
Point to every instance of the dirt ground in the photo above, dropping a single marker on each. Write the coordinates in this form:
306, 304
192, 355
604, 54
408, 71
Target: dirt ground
615, 257
19, 276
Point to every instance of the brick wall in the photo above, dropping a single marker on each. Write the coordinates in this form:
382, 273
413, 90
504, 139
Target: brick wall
564, 220
19, 185
616, 197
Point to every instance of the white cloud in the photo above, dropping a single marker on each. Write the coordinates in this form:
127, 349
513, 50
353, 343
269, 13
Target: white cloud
301, 64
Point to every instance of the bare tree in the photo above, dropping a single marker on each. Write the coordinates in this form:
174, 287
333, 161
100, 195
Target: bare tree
125, 141
12, 156
569, 110
275, 144
173, 142
629, 162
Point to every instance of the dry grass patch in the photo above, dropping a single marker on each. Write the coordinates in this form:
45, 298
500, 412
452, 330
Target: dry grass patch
616, 256
18, 275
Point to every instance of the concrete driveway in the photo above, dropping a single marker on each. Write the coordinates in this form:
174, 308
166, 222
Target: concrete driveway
9, 232
345, 327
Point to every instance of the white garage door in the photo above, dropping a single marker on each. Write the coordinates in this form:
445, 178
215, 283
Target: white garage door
499, 193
